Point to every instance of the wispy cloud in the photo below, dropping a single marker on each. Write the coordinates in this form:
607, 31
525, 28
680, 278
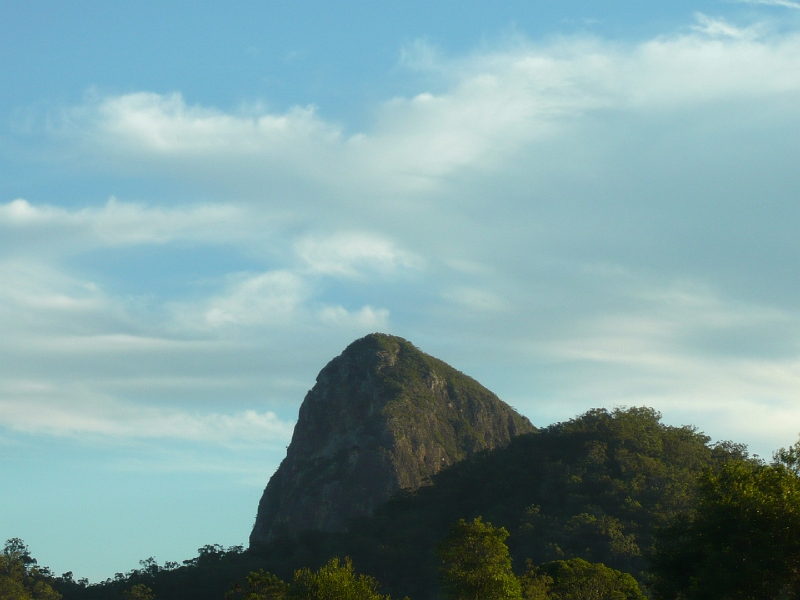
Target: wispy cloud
42, 408
716, 27
37, 297
351, 255
115, 224
421, 55
268, 298
783, 3
689, 353
167, 125
368, 317
478, 299
470, 212
496, 104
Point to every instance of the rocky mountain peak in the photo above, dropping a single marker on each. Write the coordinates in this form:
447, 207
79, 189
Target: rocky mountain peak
382, 416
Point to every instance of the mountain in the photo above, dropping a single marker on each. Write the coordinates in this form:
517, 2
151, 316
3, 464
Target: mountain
382, 417
393, 446
594, 487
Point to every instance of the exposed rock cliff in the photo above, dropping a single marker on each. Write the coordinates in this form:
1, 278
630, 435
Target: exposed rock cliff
382, 416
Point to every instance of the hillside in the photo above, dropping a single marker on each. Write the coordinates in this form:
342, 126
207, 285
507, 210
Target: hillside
592, 487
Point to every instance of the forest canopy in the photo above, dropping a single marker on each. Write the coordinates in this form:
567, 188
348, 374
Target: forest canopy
613, 497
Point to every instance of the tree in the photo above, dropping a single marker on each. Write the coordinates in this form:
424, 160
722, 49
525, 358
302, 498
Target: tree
577, 579
476, 564
788, 457
20, 578
139, 592
743, 541
261, 585
536, 585
334, 581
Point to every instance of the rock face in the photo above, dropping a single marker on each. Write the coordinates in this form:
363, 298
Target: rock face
383, 416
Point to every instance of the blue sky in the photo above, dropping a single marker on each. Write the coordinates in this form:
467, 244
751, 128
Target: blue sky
580, 204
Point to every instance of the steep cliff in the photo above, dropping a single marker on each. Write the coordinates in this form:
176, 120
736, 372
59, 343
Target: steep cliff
382, 416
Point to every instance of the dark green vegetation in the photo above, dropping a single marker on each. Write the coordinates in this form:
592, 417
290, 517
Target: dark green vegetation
336, 580
476, 564
577, 579
594, 488
208, 575
743, 539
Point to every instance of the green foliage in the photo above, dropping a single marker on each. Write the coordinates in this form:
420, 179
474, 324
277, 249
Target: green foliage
789, 458
594, 487
743, 540
535, 585
139, 592
410, 380
20, 578
205, 577
334, 581
476, 564
576, 579
260, 585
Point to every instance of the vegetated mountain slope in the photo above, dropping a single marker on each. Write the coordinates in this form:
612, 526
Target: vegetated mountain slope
594, 487
382, 417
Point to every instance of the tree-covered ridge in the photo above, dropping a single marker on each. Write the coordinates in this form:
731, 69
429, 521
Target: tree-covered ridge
593, 488
474, 565
739, 541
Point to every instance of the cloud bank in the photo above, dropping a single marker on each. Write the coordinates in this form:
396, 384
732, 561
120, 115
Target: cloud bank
576, 222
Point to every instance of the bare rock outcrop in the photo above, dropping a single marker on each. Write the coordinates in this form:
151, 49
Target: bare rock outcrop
383, 416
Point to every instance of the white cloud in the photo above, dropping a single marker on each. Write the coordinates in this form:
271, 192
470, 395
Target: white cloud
474, 210
19, 211
687, 352
270, 298
421, 55
35, 296
367, 318
124, 224
148, 122
783, 3
350, 255
720, 27
43, 408
498, 104
478, 299
112, 344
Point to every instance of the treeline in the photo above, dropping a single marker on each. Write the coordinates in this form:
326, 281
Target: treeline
21, 578
474, 565
613, 493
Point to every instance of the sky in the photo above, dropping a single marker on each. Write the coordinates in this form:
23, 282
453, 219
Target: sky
580, 204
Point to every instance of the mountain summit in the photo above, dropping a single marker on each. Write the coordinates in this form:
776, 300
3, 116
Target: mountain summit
382, 416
